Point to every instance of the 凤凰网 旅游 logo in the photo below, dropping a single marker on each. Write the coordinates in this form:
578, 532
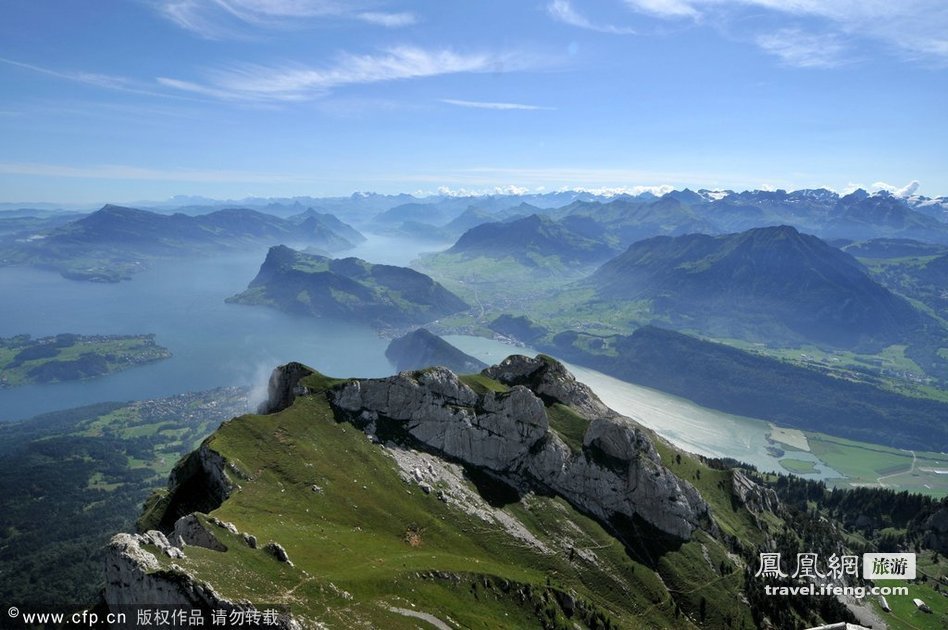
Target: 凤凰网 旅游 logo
875, 566
888, 566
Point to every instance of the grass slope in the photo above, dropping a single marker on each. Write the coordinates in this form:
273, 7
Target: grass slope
367, 542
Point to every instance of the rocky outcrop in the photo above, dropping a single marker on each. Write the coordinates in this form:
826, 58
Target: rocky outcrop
618, 471
550, 380
284, 386
189, 530
277, 551
755, 497
134, 576
493, 431
198, 483
936, 531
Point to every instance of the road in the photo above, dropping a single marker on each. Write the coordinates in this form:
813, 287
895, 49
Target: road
898, 474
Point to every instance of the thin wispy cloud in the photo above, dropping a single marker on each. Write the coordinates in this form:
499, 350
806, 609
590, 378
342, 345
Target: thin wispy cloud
665, 8
222, 19
93, 79
493, 105
388, 20
916, 27
803, 50
127, 172
563, 11
269, 83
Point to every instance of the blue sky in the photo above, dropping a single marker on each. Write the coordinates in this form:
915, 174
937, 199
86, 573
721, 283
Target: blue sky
143, 99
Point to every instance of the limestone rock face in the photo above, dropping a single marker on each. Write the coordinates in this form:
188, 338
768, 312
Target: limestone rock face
494, 431
192, 532
755, 497
134, 576
550, 380
284, 387
619, 471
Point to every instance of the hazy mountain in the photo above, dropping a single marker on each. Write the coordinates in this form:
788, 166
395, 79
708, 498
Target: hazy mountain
311, 221
937, 207
472, 217
629, 219
763, 284
348, 288
530, 238
520, 328
420, 349
115, 241
882, 214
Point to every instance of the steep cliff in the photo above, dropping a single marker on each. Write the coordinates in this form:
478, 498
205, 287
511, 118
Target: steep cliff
508, 433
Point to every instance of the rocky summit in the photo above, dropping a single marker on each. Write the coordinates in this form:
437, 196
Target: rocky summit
509, 498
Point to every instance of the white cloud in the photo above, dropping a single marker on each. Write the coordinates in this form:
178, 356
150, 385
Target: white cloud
917, 27
563, 11
905, 191
665, 8
509, 189
218, 19
908, 190
615, 191
126, 172
388, 20
490, 105
803, 50
94, 79
189, 86
263, 83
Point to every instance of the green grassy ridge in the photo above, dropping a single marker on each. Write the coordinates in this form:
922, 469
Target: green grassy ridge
353, 534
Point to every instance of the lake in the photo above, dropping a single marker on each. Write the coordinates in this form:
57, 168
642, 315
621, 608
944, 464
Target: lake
182, 302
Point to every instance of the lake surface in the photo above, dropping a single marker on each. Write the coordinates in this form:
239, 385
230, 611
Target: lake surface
683, 423
182, 302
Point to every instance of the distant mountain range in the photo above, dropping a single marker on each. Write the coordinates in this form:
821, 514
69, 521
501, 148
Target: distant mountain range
530, 239
113, 242
858, 215
349, 288
762, 284
623, 219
